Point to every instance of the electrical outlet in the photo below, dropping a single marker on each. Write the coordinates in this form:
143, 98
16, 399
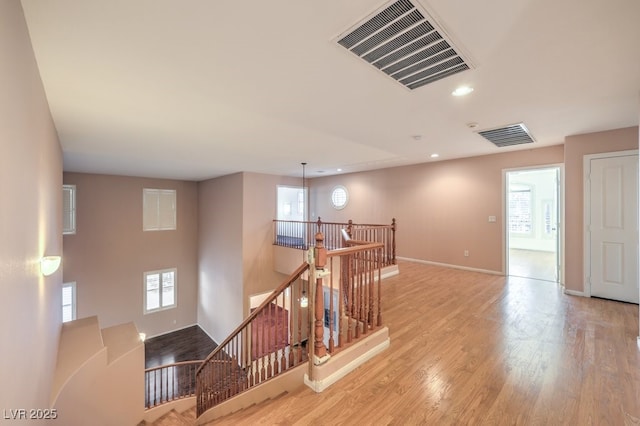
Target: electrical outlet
466, 253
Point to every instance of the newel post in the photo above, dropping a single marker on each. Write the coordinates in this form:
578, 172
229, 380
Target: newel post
319, 350
350, 228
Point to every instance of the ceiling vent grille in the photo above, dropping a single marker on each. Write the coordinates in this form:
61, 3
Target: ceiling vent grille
404, 44
514, 134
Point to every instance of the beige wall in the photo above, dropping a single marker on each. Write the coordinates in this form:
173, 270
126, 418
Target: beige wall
442, 207
576, 147
92, 367
260, 199
220, 207
236, 247
110, 252
30, 222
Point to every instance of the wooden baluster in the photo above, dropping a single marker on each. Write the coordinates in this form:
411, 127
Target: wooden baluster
331, 310
279, 337
236, 366
155, 387
276, 337
269, 341
299, 310
350, 294
261, 349
291, 325
363, 291
393, 241
358, 279
341, 303
371, 287
233, 376
285, 334
250, 351
243, 357
380, 290
320, 260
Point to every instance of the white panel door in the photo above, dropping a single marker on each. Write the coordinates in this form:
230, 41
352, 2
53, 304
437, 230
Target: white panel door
614, 227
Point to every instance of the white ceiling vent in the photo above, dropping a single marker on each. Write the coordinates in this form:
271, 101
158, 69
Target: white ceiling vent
514, 134
404, 43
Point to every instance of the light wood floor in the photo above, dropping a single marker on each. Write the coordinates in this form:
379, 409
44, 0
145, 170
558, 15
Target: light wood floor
470, 348
540, 265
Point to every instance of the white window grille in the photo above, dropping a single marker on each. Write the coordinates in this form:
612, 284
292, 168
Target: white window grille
68, 302
68, 209
520, 210
160, 290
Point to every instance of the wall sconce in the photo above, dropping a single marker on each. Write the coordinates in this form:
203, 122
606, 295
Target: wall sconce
304, 300
143, 337
49, 264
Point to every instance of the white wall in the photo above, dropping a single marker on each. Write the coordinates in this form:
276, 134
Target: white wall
30, 222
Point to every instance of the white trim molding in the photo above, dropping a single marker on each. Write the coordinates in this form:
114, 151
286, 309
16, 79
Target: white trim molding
575, 293
362, 353
448, 265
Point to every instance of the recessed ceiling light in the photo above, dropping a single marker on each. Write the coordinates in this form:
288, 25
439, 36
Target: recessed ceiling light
320, 171
434, 155
416, 137
462, 90
339, 170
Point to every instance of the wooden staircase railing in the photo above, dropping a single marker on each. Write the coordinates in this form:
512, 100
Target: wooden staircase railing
167, 383
354, 279
271, 340
343, 289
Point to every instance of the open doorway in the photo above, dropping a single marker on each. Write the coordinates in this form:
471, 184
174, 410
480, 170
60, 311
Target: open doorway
532, 201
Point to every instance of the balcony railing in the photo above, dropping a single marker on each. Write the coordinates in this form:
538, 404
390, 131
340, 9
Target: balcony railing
170, 382
301, 235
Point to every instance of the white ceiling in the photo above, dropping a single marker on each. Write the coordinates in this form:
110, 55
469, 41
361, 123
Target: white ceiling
193, 89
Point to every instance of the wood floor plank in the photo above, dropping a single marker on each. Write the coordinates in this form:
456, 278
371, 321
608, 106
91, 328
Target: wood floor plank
471, 348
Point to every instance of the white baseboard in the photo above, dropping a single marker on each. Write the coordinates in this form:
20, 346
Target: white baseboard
575, 293
322, 384
173, 331
390, 271
448, 265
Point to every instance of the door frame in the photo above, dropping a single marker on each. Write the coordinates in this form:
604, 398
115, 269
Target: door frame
586, 244
560, 214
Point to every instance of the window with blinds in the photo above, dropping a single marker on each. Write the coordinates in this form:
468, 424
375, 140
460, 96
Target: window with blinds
520, 210
159, 209
68, 209
160, 290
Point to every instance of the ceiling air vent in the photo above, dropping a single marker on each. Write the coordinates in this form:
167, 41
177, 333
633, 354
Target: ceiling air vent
404, 43
514, 134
